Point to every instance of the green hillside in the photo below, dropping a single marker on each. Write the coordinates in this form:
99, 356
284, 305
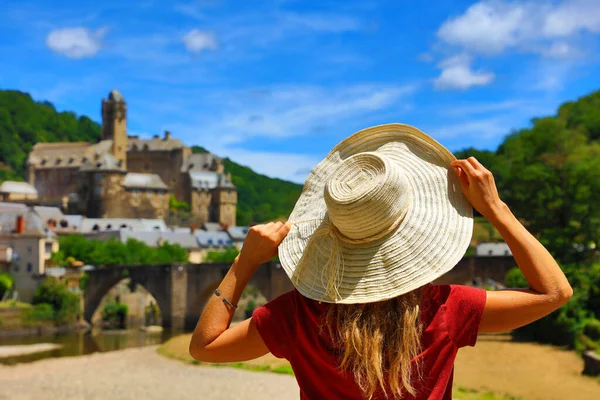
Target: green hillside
24, 122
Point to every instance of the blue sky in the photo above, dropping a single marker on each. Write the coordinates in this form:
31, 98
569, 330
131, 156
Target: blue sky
275, 84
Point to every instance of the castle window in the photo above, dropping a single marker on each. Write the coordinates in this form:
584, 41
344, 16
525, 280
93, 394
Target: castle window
71, 160
123, 226
58, 160
109, 226
64, 224
29, 267
96, 228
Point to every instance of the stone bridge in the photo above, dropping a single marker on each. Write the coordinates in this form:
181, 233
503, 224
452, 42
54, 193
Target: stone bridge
182, 290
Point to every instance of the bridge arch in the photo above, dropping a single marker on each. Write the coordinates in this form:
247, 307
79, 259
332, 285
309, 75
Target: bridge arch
153, 278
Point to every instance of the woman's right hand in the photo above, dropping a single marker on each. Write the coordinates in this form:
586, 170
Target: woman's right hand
478, 185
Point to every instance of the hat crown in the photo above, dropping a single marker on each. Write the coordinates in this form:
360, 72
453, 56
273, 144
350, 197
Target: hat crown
367, 196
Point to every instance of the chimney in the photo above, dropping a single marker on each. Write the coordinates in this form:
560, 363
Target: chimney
167, 135
51, 225
20, 224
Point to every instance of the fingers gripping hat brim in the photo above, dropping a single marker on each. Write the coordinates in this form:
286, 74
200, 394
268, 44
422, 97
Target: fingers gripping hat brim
428, 242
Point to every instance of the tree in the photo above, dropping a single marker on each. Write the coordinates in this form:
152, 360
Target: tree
6, 283
65, 304
114, 252
227, 255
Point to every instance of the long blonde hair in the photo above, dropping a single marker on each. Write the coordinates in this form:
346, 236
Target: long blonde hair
377, 342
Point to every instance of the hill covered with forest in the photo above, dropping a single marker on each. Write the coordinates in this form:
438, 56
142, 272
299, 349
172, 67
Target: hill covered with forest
24, 122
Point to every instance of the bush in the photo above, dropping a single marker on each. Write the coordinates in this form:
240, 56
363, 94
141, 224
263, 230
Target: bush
6, 283
591, 329
227, 255
515, 279
114, 314
41, 312
251, 305
65, 304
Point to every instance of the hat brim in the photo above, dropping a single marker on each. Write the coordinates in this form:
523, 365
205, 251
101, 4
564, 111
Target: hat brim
430, 240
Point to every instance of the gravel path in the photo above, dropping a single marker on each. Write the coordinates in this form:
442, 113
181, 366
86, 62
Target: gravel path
137, 374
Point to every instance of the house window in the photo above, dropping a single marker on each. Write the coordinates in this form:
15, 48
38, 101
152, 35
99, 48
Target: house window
490, 252
28, 249
29, 267
16, 268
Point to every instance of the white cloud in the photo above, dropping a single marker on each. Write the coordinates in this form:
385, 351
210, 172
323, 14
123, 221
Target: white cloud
560, 50
457, 74
197, 41
487, 27
282, 112
571, 17
76, 42
474, 133
493, 26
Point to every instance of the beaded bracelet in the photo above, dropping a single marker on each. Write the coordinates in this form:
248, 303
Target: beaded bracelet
227, 302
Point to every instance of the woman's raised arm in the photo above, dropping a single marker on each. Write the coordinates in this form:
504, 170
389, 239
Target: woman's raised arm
549, 289
212, 340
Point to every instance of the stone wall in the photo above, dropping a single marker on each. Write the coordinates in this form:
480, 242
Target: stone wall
166, 164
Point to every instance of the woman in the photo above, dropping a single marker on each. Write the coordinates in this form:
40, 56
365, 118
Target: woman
386, 213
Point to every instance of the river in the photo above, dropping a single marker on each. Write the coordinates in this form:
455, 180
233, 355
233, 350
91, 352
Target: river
78, 343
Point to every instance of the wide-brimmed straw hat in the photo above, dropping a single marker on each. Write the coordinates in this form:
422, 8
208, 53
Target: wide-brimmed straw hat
383, 214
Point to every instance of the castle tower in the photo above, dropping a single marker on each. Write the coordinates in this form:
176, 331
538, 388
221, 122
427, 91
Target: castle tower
226, 201
114, 125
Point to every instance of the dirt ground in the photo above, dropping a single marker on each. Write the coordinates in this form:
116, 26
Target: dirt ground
496, 364
531, 371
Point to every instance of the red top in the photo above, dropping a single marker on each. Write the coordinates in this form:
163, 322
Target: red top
289, 326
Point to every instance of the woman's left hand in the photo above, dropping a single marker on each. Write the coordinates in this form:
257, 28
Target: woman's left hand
262, 242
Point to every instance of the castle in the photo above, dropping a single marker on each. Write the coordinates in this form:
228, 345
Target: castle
127, 177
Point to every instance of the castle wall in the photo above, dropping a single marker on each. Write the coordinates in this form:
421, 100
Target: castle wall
138, 203
53, 184
225, 206
166, 164
200, 206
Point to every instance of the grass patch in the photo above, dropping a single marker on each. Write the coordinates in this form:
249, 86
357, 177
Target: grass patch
177, 348
14, 304
462, 393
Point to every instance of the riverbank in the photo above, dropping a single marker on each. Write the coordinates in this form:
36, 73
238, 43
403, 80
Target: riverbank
139, 373
26, 349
